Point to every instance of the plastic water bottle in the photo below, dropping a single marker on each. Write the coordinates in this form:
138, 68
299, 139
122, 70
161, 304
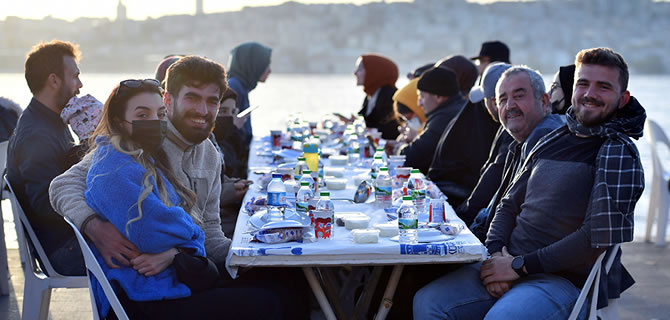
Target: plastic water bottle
353, 150
383, 189
302, 199
408, 221
274, 214
302, 165
321, 171
276, 191
381, 153
296, 136
325, 205
307, 177
291, 189
374, 168
416, 187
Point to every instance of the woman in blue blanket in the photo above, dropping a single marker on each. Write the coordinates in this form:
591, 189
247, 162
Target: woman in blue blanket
130, 183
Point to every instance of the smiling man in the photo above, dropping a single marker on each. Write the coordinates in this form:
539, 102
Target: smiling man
572, 198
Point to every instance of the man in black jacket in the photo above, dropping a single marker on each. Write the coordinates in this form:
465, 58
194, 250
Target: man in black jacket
439, 96
39, 148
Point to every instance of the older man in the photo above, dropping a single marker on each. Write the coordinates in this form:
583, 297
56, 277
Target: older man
573, 197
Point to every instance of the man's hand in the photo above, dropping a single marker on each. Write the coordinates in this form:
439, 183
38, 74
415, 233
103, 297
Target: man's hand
497, 289
239, 122
241, 187
498, 269
150, 264
110, 242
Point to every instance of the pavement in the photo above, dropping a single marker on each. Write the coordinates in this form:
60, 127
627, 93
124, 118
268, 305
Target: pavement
649, 298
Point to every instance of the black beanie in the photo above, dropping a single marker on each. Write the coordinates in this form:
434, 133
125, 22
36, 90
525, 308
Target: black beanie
439, 81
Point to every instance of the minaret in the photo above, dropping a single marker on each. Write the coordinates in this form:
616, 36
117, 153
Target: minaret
198, 7
120, 11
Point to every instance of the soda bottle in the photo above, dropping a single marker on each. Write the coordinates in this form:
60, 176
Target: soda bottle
276, 191
417, 189
408, 221
310, 151
383, 189
374, 168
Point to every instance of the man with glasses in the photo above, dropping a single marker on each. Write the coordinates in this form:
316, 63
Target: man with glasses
40, 149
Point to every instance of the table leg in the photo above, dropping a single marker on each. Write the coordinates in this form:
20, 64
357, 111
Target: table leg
363, 303
318, 293
387, 301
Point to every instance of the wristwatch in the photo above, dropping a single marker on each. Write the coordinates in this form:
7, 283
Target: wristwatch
517, 265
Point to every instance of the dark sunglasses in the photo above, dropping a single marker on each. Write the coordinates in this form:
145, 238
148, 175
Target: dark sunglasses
135, 83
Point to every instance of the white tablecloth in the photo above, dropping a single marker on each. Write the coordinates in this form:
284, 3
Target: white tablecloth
464, 247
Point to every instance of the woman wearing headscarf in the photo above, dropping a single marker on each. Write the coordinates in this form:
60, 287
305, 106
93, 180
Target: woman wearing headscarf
378, 74
249, 64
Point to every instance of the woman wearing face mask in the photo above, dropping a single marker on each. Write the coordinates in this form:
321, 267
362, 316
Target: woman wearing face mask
131, 184
228, 136
408, 112
378, 74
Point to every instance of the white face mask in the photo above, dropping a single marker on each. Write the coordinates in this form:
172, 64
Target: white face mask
414, 123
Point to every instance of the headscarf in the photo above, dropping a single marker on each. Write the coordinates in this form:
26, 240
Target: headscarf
161, 70
379, 71
465, 70
407, 95
248, 62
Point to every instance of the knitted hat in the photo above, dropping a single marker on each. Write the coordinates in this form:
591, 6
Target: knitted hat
379, 71
489, 79
439, 81
407, 95
465, 71
82, 114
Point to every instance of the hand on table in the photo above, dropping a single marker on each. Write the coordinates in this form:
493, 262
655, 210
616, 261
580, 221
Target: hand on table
111, 243
150, 264
241, 187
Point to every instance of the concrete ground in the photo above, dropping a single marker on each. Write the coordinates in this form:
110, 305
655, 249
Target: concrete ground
649, 298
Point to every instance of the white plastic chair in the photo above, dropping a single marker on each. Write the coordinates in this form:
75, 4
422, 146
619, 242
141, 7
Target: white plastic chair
659, 199
4, 270
40, 277
93, 267
590, 290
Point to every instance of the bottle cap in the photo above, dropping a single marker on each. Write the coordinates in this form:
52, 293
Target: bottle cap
304, 172
301, 158
304, 183
324, 193
378, 157
380, 149
406, 198
383, 169
415, 171
276, 176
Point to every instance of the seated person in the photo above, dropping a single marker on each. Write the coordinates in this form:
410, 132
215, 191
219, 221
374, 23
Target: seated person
560, 92
378, 74
9, 116
545, 237
130, 183
40, 149
439, 96
408, 113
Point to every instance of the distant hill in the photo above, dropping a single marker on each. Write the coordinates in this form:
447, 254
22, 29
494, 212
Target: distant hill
328, 38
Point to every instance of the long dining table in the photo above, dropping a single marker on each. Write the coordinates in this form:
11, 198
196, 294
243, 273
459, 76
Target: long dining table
314, 257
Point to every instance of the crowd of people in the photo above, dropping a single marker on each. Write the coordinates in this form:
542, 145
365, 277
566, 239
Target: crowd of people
547, 180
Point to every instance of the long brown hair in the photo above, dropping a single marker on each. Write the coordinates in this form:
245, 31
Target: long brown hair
110, 127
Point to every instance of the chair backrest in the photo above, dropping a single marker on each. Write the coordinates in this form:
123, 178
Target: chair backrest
28, 240
591, 286
94, 268
656, 135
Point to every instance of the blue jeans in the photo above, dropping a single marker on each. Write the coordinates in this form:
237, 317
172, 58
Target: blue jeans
461, 295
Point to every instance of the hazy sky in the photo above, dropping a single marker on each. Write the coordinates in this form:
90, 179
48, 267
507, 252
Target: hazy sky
136, 9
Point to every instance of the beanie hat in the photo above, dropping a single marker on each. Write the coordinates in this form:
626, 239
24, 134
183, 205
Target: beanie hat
83, 115
489, 79
465, 71
379, 71
161, 70
407, 95
566, 74
439, 81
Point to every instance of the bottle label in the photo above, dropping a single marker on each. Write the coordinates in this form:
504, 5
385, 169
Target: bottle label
276, 198
383, 191
419, 194
302, 207
407, 224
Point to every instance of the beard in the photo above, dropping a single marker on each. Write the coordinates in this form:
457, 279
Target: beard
182, 122
590, 121
66, 93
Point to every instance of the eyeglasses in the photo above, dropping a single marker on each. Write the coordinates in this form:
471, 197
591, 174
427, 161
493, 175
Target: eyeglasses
135, 83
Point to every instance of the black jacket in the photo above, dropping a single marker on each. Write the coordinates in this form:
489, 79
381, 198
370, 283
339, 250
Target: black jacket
39, 150
461, 152
382, 116
8, 119
490, 179
420, 152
